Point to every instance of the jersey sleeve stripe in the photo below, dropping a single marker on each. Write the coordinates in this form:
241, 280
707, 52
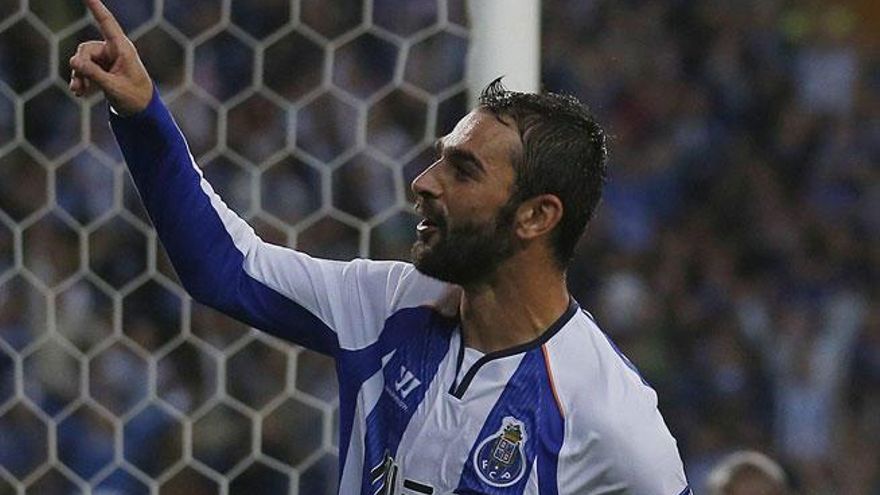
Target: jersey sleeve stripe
207, 251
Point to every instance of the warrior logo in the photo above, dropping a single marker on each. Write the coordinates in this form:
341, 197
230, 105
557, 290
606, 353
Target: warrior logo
500, 460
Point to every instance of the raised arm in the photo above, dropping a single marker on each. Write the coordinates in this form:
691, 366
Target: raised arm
323, 305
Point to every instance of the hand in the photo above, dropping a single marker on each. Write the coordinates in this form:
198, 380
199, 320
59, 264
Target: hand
113, 65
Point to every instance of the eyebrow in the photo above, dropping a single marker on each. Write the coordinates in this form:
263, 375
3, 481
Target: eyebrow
459, 153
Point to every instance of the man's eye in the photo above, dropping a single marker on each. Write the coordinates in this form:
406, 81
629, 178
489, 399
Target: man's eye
461, 172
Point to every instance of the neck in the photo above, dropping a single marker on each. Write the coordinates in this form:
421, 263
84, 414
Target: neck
516, 306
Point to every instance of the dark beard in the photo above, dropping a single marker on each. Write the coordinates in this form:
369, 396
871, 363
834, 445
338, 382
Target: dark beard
467, 254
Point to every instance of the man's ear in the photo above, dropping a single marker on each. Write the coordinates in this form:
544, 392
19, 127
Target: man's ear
538, 216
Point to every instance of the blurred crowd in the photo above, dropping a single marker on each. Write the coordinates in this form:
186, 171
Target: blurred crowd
736, 255
734, 259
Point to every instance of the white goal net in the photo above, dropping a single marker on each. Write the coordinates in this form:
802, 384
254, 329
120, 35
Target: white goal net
310, 118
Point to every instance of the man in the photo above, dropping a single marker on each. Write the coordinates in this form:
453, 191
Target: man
471, 371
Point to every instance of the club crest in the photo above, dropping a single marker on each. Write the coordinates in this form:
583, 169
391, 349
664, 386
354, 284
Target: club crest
500, 460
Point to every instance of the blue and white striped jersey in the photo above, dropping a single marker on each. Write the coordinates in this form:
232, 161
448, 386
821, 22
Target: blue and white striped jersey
564, 414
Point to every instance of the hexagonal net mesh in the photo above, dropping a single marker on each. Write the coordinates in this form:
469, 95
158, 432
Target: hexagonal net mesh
309, 117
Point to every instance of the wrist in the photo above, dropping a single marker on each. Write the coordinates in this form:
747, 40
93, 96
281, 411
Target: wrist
136, 111
137, 104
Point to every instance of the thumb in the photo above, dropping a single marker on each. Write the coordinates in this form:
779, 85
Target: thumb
87, 68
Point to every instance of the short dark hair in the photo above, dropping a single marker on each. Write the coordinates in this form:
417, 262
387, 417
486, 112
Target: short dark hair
564, 152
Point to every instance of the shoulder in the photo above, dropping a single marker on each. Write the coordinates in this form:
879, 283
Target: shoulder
591, 372
614, 433
399, 283
406, 287
357, 298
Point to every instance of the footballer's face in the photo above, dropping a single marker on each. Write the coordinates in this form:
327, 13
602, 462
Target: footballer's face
464, 199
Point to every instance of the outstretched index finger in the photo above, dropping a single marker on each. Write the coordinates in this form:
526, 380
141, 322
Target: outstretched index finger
107, 24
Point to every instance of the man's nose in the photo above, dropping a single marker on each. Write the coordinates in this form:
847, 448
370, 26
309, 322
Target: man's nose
426, 184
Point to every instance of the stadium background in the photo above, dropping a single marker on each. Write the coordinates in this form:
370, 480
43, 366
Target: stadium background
735, 258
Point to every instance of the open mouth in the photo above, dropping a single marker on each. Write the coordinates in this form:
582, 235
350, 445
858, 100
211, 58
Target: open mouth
426, 225
430, 223
429, 228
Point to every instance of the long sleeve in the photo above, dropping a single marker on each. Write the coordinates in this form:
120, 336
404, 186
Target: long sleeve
324, 305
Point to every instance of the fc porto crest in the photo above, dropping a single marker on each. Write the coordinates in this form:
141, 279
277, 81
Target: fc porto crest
500, 460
